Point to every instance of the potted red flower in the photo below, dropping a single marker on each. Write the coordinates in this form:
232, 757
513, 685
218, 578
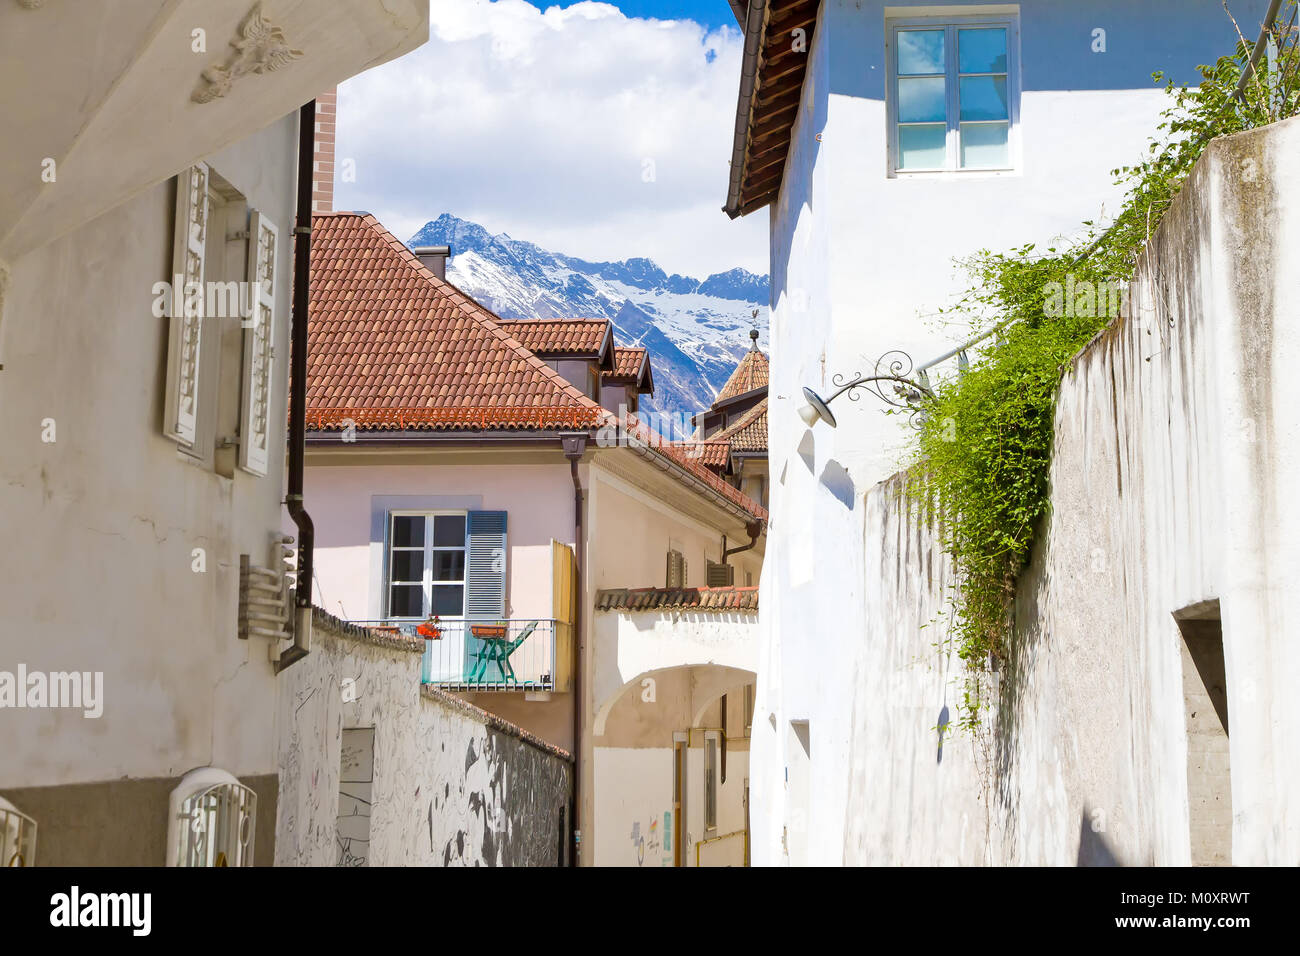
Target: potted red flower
430, 630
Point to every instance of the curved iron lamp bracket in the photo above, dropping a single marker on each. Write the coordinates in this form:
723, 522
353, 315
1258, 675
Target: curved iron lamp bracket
892, 369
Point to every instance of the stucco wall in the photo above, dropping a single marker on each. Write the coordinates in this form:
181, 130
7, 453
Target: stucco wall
538, 496
450, 785
1175, 449
99, 571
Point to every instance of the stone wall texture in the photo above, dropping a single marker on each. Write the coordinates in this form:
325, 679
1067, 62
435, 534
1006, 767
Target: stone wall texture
446, 783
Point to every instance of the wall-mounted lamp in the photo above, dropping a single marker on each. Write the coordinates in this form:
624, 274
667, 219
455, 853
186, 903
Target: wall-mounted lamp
890, 383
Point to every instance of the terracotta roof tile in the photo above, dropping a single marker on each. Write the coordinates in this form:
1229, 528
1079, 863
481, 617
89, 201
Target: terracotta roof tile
750, 374
562, 336
710, 453
687, 599
627, 362
387, 335
748, 433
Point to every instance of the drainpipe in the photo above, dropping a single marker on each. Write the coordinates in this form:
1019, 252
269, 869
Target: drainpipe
574, 447
754, 529
298, 391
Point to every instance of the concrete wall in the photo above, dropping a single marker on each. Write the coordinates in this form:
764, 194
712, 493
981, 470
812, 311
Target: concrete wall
99, 572
861, 262
449, 784
1176, 437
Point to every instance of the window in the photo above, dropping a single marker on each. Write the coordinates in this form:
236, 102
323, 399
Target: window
212, 822
17, 836
426, 564
711, 781
676, 574
220, 300
718, 575
954, 94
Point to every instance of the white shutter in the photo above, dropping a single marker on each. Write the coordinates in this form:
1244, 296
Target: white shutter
180, 414
259, 347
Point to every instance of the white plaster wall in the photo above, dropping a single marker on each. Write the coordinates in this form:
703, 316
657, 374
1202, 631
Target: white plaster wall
100, 525
1175, 447
860, 264
449, 789
635, 805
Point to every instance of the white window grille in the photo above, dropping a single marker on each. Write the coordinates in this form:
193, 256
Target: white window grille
212, 820
180, 413
259, 347
17, 836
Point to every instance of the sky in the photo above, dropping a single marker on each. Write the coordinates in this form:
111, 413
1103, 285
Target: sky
585, 127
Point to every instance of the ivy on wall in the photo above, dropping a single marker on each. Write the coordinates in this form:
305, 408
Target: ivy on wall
983, 452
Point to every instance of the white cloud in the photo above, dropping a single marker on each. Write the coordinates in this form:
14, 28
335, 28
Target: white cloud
548, 124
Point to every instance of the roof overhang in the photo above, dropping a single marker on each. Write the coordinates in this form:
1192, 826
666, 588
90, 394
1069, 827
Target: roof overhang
104, 100
771, 85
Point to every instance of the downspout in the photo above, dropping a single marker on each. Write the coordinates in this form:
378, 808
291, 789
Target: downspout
754, 529
575, 445
298, 391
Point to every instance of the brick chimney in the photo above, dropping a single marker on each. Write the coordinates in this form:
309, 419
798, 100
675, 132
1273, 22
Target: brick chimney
322, 197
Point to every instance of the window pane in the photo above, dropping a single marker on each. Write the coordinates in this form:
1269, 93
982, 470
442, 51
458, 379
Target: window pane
922, 147
407, 566
406, 600
984, 146
982, 51
921, 100
448, 600
408, 531
983, 97
449, 565
920, 51
449, 530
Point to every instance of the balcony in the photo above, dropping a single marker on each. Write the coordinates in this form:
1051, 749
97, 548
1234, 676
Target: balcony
492, 655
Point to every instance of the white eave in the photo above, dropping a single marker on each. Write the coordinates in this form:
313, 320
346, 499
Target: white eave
110, 92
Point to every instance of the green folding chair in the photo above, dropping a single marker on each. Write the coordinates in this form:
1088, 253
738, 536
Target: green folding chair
496, 648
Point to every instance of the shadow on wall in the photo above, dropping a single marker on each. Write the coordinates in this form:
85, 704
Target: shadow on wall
839, 483
1093, 849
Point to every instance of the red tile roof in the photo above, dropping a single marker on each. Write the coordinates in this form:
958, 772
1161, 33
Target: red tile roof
632, 366
750, 374
709, 453
627, 362
693, 599
387, 335
748, 433
564, 336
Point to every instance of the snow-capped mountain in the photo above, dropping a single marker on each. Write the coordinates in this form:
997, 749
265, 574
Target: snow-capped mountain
696, 330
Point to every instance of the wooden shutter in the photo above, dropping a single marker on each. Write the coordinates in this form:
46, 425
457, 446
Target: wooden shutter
180, 412
259, 347
485, 564
719, 575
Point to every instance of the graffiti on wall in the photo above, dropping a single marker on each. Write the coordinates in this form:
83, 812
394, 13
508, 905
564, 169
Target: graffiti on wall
356, 783
654, 843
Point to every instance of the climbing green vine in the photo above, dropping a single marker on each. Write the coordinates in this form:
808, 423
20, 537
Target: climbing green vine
984, 448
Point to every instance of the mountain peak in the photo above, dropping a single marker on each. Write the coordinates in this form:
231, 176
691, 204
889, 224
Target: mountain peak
696, 329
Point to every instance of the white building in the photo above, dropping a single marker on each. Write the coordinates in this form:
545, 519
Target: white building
143, 445
851, 131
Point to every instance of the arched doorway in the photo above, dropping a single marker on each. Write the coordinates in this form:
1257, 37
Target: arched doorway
671, 768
